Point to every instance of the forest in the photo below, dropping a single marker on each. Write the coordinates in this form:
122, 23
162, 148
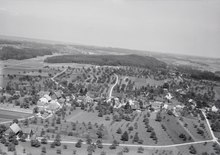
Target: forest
9, 52
110, 60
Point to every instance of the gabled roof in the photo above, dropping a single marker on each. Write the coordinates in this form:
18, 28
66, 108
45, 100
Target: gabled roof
58, 94
15, 128
43, 99
27, 130
47, 97
53, 105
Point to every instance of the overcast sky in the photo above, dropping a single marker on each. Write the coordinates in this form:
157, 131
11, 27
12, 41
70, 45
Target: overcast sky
173, 26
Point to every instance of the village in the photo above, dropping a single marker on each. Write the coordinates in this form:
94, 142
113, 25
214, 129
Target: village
103, 105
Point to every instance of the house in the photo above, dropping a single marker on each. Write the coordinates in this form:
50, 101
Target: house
57, 94
42, 103
42, 93
47, 97
13, 128
168, 96
214, 109
88, 99
28, 132
53, 106
193, 103
165, 106
61, 100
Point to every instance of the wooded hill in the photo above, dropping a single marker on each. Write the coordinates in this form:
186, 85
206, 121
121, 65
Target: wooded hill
110, 60
9, 52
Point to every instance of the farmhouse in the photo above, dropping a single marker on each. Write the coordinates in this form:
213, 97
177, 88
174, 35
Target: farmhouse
28, 132
53, 106
46, 104
13, 128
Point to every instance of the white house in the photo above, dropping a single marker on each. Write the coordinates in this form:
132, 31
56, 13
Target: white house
169, 96
165, 106
214, 109
15, 128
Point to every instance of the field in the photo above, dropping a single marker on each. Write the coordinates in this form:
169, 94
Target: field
10, 115
83, 150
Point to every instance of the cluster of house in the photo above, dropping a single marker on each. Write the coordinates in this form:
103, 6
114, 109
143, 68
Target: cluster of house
16, 129
50, 102
213, 108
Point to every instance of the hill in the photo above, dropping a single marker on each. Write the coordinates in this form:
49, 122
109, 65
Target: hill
110, 60
9, 52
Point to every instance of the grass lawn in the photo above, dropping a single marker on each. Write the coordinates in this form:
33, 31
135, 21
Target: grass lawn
83, 150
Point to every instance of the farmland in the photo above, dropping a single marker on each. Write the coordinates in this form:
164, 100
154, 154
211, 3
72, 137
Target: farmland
6, 115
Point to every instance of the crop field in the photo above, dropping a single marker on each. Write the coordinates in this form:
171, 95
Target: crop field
10, 115
174, 129
82, 116
193, 125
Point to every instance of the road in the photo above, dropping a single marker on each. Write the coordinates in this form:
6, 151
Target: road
110, 93
133, 145
210, 129
58, 74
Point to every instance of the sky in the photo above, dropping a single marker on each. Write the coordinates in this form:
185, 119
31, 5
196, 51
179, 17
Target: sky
190, 27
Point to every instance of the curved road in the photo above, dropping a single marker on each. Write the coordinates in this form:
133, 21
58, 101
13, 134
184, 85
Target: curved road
110, 93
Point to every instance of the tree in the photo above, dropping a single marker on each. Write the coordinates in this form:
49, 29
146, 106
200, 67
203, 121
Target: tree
88, 140
103, 153
90, 149
2, 129
43, 150
125, 149
35, 110
44, 140
140, 150
99, 133
35, 143
130, 128
192, 150
158, 117
78, 144
99, 144
119, 131
125, 137
136, 138
57, 140
11, 147
15, 121
58, 151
